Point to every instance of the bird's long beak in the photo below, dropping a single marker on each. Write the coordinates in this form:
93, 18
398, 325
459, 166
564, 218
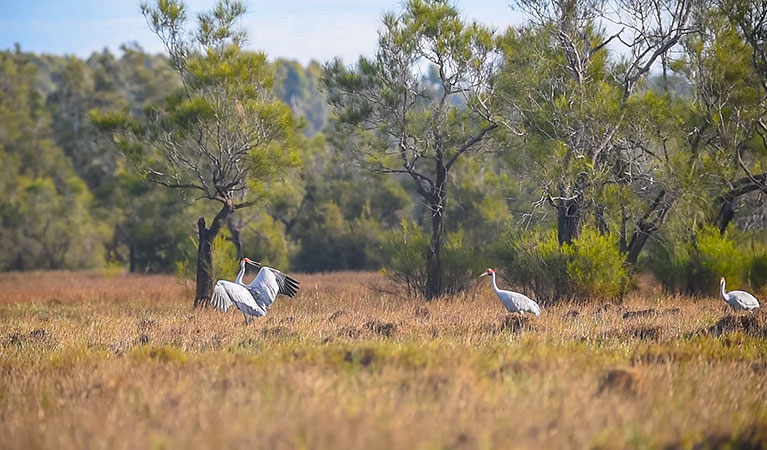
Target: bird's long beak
483, 274
251, 262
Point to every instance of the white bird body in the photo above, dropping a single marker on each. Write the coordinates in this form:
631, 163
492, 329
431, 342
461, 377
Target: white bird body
514, 301
738, 299
254, 299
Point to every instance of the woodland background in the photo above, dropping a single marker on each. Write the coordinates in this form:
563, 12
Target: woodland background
606, 156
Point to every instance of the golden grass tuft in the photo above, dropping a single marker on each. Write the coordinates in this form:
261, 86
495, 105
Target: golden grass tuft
122, 361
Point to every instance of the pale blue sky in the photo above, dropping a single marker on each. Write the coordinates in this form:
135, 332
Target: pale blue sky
295, 29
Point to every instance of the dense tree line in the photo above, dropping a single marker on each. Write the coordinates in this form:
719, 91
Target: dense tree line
569, 152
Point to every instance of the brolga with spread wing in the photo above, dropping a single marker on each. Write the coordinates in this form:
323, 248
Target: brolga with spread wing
254, 299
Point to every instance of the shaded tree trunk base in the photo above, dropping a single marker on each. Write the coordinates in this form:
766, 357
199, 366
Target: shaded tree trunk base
205, 256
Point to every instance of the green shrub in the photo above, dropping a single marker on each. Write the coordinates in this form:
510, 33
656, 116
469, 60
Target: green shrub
264, 240
668, 262
757, 271
694, 265
328, 241
591, 267
595, 266
460, 264
535, 260
717, 256
404, 257
403, 254
224, 258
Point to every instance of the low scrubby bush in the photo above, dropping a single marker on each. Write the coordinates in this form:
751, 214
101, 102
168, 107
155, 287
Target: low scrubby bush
694, 265
404, 252
591, 267
595, 266
535, 261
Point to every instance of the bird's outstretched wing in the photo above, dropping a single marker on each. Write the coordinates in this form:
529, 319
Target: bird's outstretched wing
220, 299
288, 286
285, 285
226, 293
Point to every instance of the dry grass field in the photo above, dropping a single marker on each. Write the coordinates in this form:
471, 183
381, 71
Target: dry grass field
88, 361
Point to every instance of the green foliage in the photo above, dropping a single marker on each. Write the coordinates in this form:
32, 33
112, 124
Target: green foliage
68, 201
46, 211
331, 242
404, 255
265, 240
404, 252
50, 228
534, 260
757, 270
224, 258
716, 255
461, 263
590, 268
595, 267
299, 88
694, 265
152, 225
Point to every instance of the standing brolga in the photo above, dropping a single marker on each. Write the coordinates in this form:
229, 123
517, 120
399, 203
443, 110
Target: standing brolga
738, 299
254, 299
514, 301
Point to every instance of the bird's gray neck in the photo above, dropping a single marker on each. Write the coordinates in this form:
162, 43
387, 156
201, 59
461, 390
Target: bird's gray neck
238, 280
495, 286
721, 287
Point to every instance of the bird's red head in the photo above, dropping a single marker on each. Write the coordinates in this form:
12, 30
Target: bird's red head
249, 261
721, 280
487, 272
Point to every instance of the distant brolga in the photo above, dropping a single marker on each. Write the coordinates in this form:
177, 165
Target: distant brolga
514, 301
738, 299
254, 299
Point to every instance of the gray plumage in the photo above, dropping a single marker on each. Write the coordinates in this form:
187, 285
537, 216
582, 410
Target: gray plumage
514, 301
254, 299
738, 299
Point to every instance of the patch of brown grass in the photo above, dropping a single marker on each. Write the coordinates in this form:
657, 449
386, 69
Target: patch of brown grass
124, 362
624, 381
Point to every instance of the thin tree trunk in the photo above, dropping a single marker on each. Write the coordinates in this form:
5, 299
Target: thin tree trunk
623, 243
601, 220
205, 256
204, 265
433, 261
